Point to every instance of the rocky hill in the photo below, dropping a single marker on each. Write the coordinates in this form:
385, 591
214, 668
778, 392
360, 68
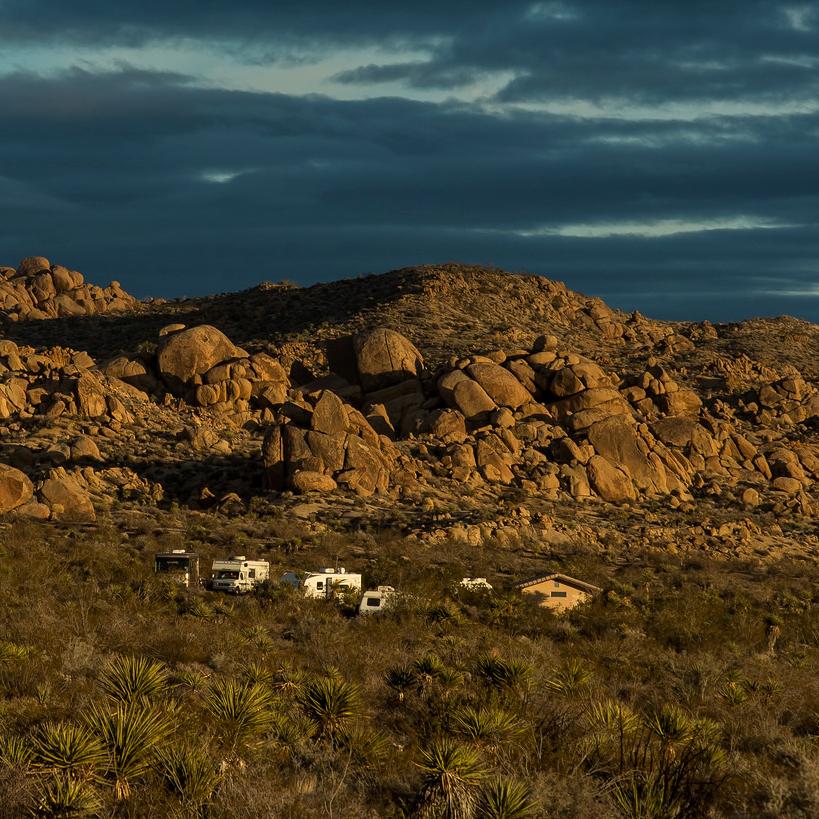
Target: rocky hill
37, 289
452, 402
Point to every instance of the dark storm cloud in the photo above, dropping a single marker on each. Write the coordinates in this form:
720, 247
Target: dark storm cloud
640, 51
114, 172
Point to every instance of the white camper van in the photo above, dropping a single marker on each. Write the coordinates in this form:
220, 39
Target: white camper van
238, 574
377, 600
325, 584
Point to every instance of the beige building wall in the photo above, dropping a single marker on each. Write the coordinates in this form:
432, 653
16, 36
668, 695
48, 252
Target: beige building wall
555, 594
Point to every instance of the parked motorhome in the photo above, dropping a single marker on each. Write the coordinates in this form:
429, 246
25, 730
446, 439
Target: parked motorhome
475, 584
178, 565
324, 584
238, 574
377, 600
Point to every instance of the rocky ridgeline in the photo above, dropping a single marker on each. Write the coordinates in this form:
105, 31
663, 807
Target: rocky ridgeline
37, 289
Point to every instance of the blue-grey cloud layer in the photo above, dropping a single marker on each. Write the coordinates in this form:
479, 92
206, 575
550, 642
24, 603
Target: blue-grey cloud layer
117, 171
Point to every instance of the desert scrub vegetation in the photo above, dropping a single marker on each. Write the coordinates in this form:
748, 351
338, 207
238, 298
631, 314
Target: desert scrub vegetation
687, 688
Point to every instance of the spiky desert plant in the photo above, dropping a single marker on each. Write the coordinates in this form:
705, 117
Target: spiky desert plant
502, 674
486, 726
504, 799
258, 673
400, 679
132, 734
127, 679
63, 795
452, 775
570, 679
13, 652
190, 774
68, 747
288, 681
367, 745
242, 709
428, 669
15, 751
329, 703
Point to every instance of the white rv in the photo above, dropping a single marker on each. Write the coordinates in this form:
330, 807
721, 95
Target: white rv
238, 574
178, 565
475, 584
377, 600
325, 584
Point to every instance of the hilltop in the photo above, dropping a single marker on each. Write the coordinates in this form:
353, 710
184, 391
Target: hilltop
418, 427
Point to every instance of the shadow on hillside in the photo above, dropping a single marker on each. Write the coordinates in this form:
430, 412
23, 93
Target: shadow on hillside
265, 313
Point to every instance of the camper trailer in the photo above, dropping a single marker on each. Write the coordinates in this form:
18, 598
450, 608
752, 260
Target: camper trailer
237, 575
178, 565
377, 600
325, 584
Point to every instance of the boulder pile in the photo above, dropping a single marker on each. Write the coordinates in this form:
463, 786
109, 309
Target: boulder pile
322, 443
203, 367
37, 289
53, 382
546, 420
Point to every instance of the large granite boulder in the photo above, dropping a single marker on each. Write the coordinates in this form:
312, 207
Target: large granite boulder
15, 488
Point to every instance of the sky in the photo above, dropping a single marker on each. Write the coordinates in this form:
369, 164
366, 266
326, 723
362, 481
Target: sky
661, 155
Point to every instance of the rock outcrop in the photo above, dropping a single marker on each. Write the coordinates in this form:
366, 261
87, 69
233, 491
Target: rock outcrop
37, 289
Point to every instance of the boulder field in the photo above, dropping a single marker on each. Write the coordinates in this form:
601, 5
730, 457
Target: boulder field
376, 419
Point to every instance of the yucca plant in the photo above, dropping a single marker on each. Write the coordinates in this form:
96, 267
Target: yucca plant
569, 680
190, 774
503, 674
504, 799
12, 652
734, 693
257, 673
400, 679
132, 734
288, 681
242, 709
63, 795
329, 703
127, 679
486, 726
452, 776
68, 747
428, 669
367, 746
15, 751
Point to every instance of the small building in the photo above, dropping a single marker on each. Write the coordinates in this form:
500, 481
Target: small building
559, 591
